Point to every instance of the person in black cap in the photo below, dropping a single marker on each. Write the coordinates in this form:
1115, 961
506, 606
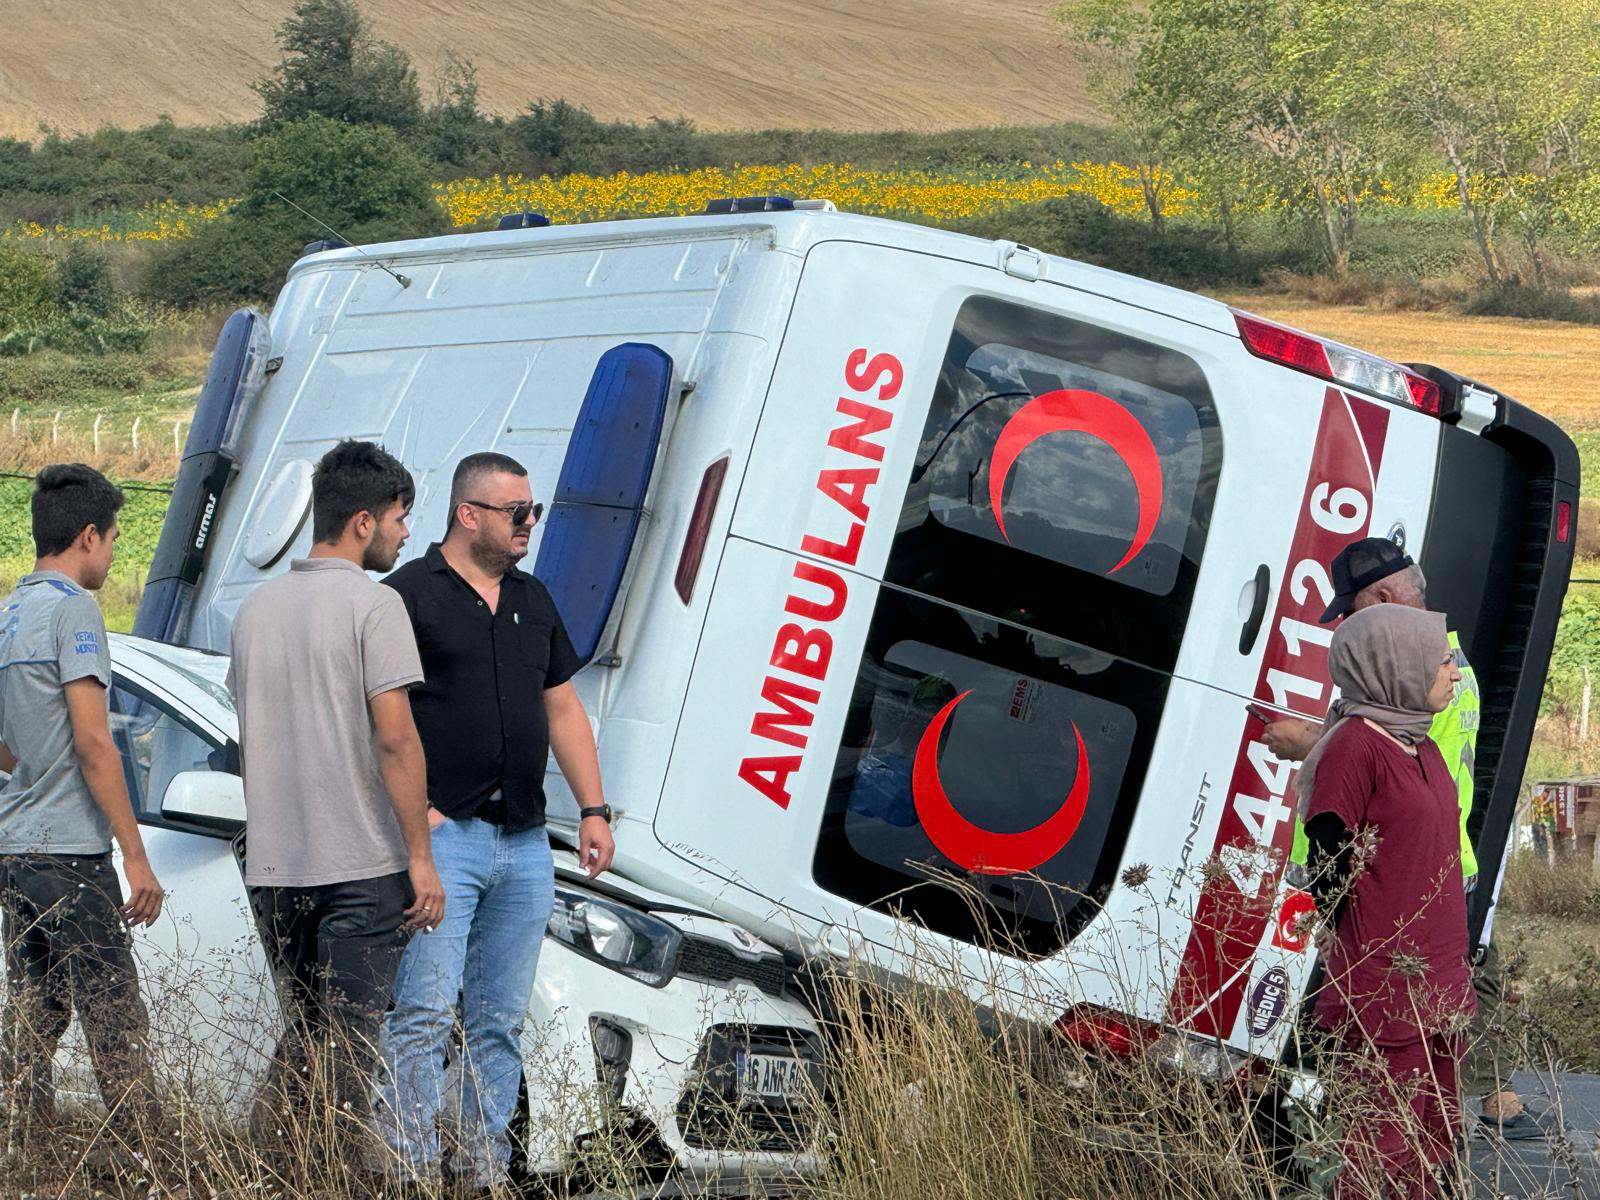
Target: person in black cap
1373, 571
1377, 571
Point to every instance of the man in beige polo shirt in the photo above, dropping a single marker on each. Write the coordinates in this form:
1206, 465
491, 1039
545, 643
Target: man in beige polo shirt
338, 861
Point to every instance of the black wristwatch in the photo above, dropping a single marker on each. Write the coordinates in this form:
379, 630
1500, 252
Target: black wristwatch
603, 811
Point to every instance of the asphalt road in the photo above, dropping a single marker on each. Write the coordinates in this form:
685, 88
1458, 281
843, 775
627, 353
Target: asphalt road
1567, 1166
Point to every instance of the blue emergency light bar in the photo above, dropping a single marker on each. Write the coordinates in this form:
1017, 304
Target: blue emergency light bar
321, 244
523, 220
751, 204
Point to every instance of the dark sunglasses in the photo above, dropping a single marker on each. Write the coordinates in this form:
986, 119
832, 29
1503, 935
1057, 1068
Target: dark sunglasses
520, 514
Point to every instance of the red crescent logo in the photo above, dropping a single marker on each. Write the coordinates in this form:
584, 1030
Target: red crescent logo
1074, 411
984, 850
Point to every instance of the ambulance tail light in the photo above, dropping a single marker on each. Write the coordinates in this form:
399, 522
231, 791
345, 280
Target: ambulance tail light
694, 542
1337, 363
1101, 1031
1172, 1051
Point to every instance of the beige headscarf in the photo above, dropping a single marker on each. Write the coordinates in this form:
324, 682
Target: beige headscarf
1384, 660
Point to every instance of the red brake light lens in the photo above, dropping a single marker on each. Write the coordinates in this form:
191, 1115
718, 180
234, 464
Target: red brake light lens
694, 542
1563, 520
1103, 1032
1425, 394
1280, 344
1337, 363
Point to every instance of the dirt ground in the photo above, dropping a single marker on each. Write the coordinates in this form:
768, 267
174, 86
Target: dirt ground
837, 64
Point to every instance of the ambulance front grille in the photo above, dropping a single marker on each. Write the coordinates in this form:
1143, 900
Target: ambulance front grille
706, 958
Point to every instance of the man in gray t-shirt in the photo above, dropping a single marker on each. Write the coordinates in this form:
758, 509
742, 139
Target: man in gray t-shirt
65, 924
338, 858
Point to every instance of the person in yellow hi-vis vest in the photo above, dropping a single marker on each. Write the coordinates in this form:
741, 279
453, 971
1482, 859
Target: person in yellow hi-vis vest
1377, 571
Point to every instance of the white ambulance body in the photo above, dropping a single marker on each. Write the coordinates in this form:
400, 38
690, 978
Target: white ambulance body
953, 570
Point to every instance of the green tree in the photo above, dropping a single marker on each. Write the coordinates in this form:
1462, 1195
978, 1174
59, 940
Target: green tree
1111, 37
363, 182
1546, 141
1272, 90
1208, 112
1514, 115
334, 67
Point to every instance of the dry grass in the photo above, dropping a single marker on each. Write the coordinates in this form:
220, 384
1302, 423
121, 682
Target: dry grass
1547, 365
928, 1094
156, 458
1567, 890
839, 64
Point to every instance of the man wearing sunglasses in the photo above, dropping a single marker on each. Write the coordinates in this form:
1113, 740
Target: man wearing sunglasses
496, 699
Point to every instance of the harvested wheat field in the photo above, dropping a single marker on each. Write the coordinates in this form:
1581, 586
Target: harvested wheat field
1550, 366
839, 64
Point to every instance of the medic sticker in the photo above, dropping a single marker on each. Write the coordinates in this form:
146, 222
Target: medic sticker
1267, 1001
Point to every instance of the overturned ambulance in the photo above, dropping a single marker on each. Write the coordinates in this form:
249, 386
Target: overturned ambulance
923, 583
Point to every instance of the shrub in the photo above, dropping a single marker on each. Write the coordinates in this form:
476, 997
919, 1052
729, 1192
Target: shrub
83, 282
560, 138
1567, 890
362, 181
1418, 246
1533, 304
27, 290
224, 263
64, 177
1566, 1005
51, 374
1081, 227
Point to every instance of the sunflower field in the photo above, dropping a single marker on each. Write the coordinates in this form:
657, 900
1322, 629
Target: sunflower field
918, 195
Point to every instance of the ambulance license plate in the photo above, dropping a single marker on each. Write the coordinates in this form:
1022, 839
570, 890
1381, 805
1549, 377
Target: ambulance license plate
764, 1078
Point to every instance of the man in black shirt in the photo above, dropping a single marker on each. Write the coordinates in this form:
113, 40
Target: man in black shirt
495, 700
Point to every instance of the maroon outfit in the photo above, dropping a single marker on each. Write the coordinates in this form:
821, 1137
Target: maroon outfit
1397, 981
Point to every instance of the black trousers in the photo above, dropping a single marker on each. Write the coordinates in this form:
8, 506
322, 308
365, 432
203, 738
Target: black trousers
333, 950
67, 949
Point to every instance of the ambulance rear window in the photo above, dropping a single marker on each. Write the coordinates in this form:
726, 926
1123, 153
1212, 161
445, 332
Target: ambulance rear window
979, 783
1064, 481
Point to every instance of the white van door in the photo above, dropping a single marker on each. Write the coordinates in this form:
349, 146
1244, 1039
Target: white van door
1026, 529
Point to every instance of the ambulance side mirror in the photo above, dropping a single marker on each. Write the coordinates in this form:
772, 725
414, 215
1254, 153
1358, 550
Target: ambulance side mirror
212, 798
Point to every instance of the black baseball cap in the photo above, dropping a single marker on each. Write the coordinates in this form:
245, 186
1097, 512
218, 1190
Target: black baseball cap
1360, 565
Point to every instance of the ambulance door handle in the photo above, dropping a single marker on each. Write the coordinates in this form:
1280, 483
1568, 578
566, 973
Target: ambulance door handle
1258, 610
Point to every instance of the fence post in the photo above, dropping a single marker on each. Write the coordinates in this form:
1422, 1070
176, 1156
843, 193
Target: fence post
177, 445
55, 428
16, 414
136, 421
98, 417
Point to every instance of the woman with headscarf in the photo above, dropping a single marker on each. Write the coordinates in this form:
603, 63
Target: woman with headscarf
1381, 812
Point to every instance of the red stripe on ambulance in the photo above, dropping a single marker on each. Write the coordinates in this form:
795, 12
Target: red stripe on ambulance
801, 654
1238, 900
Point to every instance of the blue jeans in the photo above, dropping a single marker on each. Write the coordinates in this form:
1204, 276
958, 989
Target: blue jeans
499, 890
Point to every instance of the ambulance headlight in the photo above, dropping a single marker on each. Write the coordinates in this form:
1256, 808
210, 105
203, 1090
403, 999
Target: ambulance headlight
623, 938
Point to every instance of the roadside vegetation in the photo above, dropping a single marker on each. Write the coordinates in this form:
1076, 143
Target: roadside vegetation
928, 1093
1453, 218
